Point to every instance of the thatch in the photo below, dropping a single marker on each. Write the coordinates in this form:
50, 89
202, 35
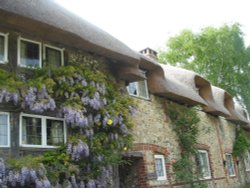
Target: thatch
217, 106
54, 21
170, 82
238, 114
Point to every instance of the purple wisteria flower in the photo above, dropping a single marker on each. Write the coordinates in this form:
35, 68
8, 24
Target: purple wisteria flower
2, 168
91, 184
124, 129
46, 183
97, 118
74, 117
78, 151
81, 185
39, 101
6, 96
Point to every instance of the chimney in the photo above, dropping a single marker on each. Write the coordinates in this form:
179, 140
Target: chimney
149, 53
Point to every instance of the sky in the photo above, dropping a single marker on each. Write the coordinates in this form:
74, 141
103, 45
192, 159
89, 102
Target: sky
150, 23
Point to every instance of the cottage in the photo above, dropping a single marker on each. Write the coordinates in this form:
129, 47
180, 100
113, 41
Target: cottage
85, 107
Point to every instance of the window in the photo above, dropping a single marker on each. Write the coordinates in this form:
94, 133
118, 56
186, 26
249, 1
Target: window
29, 53
230, 165
203, 164
41, 131
53, 56
247, 160
160, 167
3, 48
138, 89
4, 130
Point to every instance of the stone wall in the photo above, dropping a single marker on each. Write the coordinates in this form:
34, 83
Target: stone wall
153, 129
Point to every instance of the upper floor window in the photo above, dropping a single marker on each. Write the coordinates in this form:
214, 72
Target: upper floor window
203, 164
29, 53
247, 160
160, 167
4, 130
138, 89
230, 165
53, 56
41, 131
3, 48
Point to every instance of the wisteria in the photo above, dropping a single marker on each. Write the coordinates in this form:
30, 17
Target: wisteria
22, 177
97, 122
6, 96
38, 100
78, 151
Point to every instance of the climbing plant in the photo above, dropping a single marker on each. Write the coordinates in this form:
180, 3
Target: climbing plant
97, 116
185, 124
241, 143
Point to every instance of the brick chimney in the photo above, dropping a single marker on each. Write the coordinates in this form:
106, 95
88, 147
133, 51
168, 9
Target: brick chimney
149, 53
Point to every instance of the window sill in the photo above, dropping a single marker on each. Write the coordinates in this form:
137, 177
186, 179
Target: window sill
139, 97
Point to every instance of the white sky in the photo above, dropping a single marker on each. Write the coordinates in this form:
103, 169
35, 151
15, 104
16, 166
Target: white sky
149, 23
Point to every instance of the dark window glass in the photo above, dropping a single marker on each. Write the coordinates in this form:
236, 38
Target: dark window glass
53, 57
31, 131
29, 54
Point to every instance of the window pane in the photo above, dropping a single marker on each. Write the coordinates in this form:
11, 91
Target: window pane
247, 160
203, 164
29, 54
142, 89
230, 166
55, 133
53, 57
132, 88
31, 131
159, 167
2, 48
3, 129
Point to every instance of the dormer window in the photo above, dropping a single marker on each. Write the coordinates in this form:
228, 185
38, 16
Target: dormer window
138, 89
53, 56
29, 53
3, 48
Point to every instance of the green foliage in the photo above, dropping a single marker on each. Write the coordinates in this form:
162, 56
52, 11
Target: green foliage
218, 54
241, 143
185, 123
103, 139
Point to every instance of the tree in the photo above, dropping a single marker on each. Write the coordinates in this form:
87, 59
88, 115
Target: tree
218, 54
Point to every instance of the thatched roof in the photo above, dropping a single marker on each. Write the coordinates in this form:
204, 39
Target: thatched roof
176, 84
47, 19
217, 106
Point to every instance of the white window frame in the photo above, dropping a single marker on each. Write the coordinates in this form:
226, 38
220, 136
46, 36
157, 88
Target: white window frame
164, 177
247, 160
8, 130
232, 161
208, 162
44, 129
137, 88
19, 51
5, 35
55, 48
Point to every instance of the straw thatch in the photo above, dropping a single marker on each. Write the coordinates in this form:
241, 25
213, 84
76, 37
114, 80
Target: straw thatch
52, 20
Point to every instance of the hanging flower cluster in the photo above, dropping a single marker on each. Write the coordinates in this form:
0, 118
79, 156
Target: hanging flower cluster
96, 115
23, 177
